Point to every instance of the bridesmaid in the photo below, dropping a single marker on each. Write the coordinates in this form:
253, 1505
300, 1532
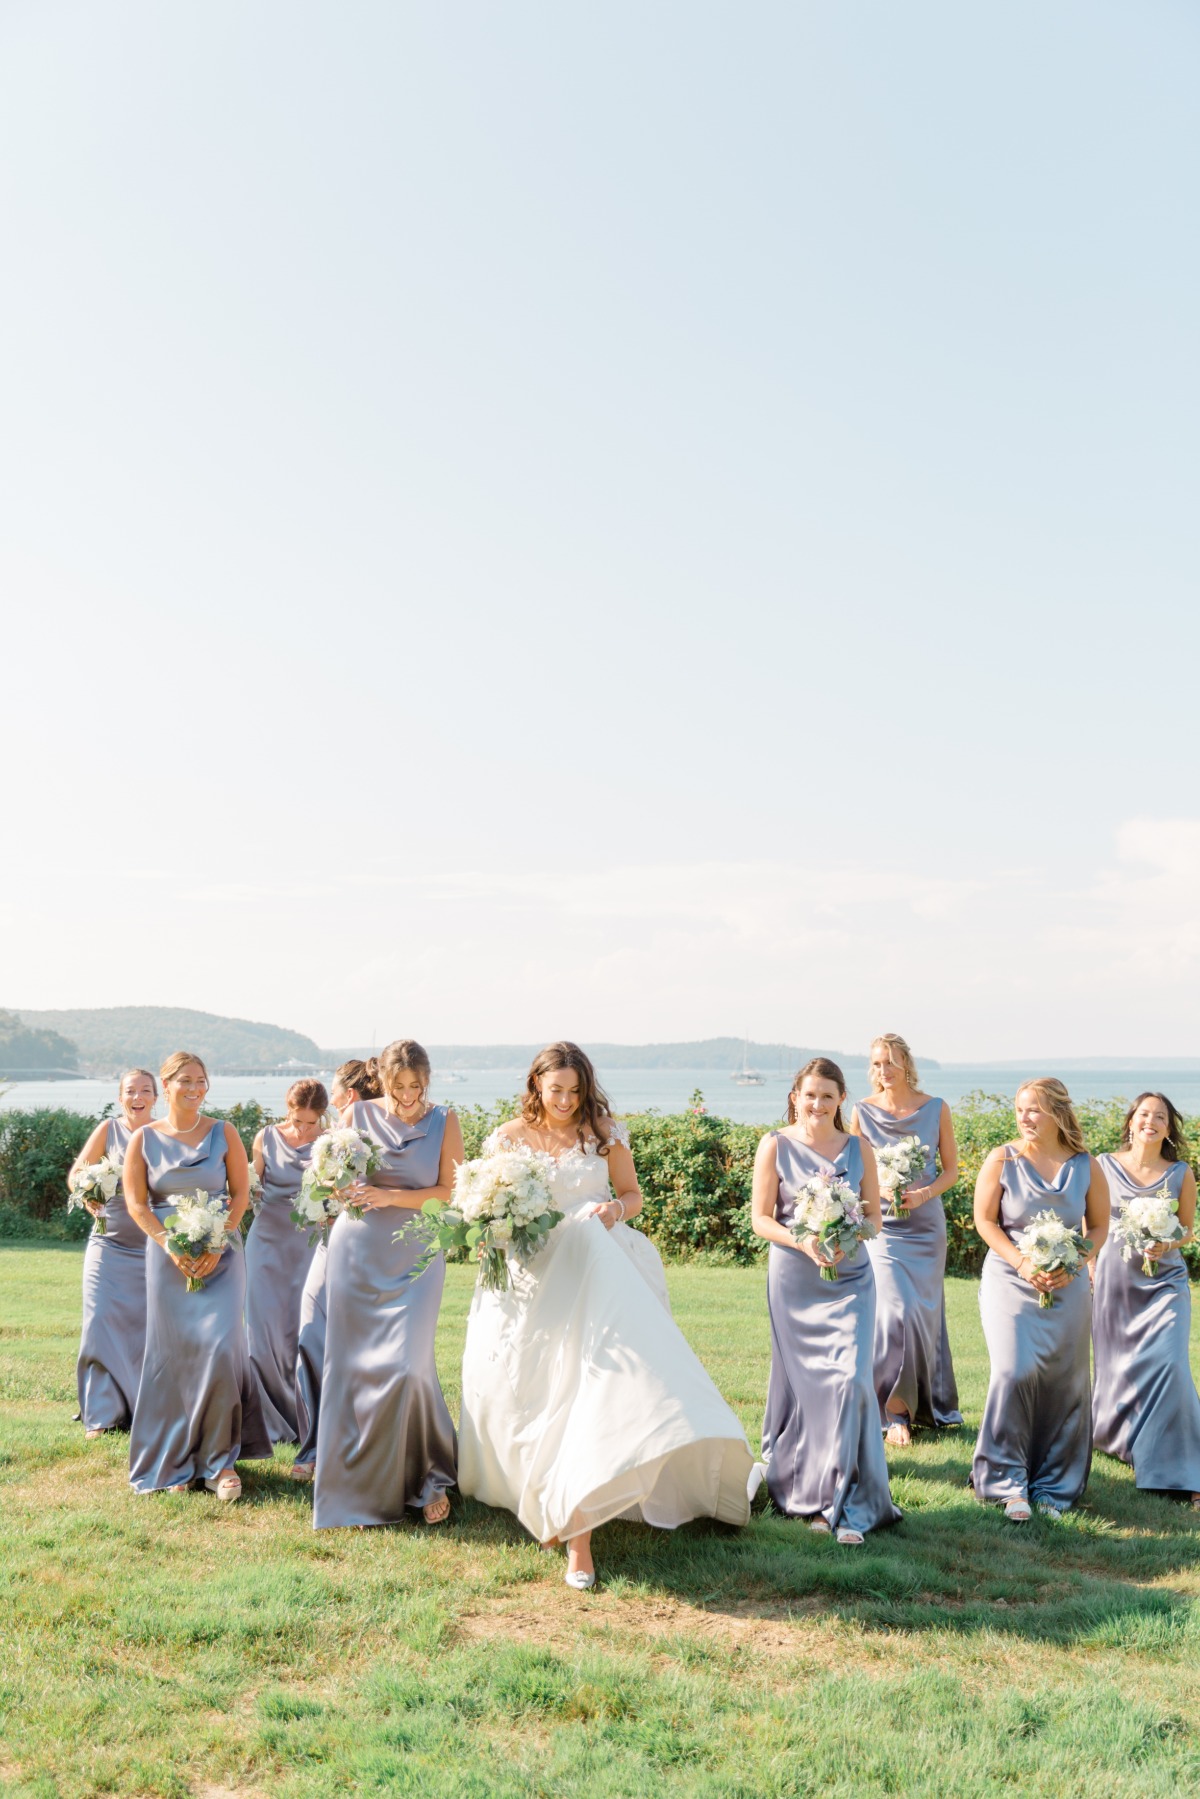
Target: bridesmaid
1144, 1405
278, 1254
352, 1082
821, 1442
914, 1372
114, 1276
1035, 1439
198, 1408
386, 1442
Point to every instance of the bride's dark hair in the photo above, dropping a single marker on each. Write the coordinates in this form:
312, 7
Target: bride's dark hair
594, 1115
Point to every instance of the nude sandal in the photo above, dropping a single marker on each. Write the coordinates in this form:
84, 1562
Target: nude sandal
226, 1486
1018, 1511
437, 1511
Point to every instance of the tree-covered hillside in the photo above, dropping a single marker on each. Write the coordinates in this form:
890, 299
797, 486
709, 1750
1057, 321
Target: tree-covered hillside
112, 1037
25, 1047
724, 1053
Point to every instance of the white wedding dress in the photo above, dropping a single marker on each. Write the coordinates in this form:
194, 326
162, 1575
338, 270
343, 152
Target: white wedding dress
581, 1400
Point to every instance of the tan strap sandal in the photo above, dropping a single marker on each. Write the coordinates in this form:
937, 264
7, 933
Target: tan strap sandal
226, 1485
437, 1511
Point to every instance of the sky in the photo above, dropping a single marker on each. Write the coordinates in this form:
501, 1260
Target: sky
619, 522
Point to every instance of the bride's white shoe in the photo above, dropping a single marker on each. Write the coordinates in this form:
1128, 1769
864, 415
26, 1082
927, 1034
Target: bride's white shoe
756, 1478
579, 1580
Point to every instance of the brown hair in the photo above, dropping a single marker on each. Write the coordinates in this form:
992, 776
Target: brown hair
129, 1074
1174, 1146
360, 1078
594, 1114
899, 1055
175, 1064
825, 1070
1057, 1101
403, 1056
306, 1095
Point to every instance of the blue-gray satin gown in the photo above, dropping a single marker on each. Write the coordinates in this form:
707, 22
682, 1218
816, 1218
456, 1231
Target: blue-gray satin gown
1145, 1409
278, 1255
198, 1409
310, 1355
821, 1439
386, 1441
1035, 1439
114, 1309
914, 1371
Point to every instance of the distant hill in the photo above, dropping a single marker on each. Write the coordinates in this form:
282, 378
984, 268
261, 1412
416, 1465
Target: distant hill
26, 1047
112, 1037
710, 1052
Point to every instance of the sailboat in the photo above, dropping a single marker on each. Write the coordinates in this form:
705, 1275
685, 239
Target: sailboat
745, 1076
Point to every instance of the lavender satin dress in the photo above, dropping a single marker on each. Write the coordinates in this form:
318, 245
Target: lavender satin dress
198, 1409
386, 1442
278, 1256
1145, 1409
1035, 1438
310, 1355
821, 1439
113, 1338
914, 1371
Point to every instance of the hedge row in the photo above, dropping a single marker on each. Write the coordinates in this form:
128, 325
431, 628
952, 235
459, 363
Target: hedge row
694, 1169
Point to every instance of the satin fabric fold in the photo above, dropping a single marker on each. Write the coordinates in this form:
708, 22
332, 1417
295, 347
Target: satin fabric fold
1145, 1409
821, 1438
112, 1340
278, 1257
913, 1366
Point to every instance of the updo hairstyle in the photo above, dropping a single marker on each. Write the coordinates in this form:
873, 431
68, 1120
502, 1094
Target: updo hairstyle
175, 1064
404, 1056
359, 1078
1055, 1099
131, 1074
825, 1070
306, 1095
1174, 1145
900, 1055
595, 1117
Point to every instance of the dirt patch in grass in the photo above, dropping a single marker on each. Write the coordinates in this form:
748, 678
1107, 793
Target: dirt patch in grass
560, 1621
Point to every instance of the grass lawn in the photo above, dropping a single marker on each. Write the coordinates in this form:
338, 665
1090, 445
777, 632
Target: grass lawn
171, 1645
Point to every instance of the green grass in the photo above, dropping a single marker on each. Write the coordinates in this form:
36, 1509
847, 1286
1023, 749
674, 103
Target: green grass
173, 1646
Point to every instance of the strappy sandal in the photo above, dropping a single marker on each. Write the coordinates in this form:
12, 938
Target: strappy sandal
820, 1525
1018, 1511
851, 1538
898, 1434
91, 1435
437, 1511
226, 1485
301, 1471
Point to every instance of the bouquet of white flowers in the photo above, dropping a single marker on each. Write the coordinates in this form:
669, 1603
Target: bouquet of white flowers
829, 1209
899, 1165
199, 1226
1142, 1222
339, 1159
502, 1204
1052, 1245
95, 1183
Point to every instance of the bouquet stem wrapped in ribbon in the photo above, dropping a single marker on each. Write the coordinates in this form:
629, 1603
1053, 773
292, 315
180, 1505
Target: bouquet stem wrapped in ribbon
1147, 1219
94, 1184
1052, 1247
339, 1159
502, 1205
899, 1165
199, 1226
828, 1208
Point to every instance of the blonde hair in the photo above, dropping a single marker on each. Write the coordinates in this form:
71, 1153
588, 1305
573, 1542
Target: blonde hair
1057, 1101
175, 1064
900, 1056
404, 1056
129, 1074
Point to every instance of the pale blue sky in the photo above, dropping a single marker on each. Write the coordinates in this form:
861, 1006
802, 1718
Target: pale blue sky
700, 500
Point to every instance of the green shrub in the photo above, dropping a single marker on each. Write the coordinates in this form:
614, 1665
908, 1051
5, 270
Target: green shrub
36, 1151
695, 1171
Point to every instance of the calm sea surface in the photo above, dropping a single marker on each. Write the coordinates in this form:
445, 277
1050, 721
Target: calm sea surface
668, 1089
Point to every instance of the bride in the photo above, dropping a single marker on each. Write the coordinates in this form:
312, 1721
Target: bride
581, 1400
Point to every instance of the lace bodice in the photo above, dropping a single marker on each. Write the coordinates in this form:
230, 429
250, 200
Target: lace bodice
580, 1175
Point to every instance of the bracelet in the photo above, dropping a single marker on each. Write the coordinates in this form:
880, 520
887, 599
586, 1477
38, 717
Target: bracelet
621, 1203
